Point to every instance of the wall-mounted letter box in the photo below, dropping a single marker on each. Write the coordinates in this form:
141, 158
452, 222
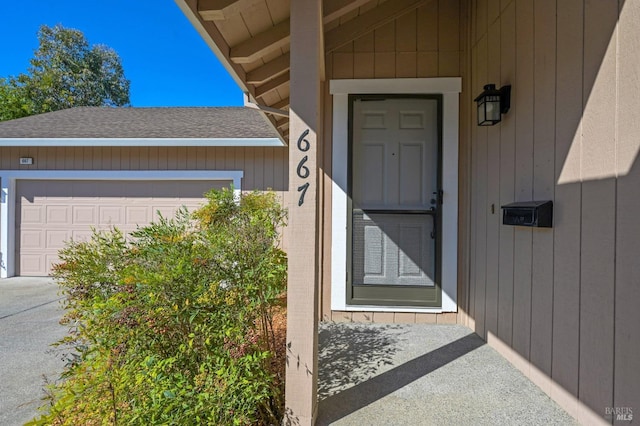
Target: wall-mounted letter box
528, 213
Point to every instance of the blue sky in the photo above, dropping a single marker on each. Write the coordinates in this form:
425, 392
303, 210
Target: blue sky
166, 60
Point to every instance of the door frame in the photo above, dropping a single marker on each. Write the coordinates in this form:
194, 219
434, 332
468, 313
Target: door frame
450, 89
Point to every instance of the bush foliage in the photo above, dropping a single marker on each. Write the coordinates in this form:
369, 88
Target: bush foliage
173, 324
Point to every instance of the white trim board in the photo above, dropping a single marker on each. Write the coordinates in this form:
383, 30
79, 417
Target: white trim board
8, 180
57, 142
450, 89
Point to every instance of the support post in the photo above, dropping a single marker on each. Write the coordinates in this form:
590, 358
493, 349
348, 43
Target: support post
302, 317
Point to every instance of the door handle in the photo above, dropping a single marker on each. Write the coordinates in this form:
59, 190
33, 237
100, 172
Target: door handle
434, 229
438, 195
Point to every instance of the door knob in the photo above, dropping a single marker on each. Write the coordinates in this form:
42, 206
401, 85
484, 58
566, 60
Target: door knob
438, 196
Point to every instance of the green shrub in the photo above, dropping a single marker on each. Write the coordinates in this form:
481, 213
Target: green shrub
173, 324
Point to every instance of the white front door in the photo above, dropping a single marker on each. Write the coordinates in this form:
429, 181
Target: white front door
395, 215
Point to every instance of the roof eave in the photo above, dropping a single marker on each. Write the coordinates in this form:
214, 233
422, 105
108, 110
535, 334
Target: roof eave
190, 10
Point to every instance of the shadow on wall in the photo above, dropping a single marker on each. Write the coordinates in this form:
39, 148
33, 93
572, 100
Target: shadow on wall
564, 299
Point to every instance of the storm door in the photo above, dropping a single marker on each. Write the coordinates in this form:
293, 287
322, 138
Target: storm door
395, 203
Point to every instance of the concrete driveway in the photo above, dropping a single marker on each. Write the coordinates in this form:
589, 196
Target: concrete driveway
29, 315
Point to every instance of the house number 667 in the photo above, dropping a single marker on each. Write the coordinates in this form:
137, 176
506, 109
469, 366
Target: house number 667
302, 170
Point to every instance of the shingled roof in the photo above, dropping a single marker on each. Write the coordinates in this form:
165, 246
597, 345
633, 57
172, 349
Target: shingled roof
223, 123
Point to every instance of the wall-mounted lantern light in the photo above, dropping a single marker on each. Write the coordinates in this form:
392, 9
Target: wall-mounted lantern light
492, 103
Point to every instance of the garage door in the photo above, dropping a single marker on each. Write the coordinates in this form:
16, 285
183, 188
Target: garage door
49, 213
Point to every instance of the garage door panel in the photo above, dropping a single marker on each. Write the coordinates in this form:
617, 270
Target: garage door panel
157, 191
84, 215
58, 215
165, 211
31, 215
50, 213
111, 215
96, 189
32, 189
32, 238
56, 239
138, 214
49, 261
81, 235
56, 189
32, 264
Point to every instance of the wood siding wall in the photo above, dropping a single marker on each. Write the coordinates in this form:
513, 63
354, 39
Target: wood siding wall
428, 42
264, 167
561, 303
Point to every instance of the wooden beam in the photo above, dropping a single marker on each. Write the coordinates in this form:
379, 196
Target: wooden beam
216, 42
282, 124
281, 104
272, 85
212, 10
249, 103
305, 146
259, 45
335, 9
270, 70
218, 10
364, 24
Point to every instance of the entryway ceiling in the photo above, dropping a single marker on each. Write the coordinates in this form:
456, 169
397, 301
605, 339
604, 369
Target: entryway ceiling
251, 38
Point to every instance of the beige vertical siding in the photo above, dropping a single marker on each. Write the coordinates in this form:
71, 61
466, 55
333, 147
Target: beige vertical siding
598, 206
544, 71
464, 169
428, 42
493, 185
507, 183
264, 167
567, 208
479, 189
560, 303
626, 391
523, 116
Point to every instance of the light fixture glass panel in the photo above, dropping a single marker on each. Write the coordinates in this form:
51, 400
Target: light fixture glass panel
482, 117
493, 108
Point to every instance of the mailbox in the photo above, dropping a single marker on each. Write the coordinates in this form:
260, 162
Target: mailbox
528, 213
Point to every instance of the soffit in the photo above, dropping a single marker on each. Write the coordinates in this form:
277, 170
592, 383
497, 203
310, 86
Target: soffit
251, 38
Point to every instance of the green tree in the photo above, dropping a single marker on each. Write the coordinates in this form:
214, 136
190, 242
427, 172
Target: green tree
13, 100
65, 72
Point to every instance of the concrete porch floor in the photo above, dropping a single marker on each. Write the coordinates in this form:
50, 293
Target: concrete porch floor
423, 374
